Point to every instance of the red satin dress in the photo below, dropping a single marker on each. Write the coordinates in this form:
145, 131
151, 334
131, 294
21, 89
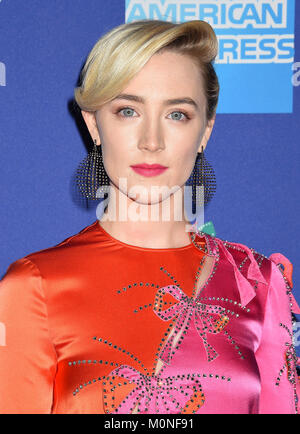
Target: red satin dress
94, 325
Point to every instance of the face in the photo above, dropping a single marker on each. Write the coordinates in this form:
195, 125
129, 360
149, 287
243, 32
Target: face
143, 127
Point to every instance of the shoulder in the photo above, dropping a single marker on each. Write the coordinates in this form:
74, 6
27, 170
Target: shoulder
54, 257
65, 248
236, 246
20, 289
276, 268
243, 256
20, 269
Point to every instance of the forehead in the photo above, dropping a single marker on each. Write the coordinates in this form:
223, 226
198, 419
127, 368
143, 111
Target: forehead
168, 74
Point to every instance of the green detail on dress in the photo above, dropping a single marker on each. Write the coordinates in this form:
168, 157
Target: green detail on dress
208, 228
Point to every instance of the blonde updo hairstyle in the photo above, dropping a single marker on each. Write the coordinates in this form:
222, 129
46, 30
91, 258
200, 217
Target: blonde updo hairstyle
123, 51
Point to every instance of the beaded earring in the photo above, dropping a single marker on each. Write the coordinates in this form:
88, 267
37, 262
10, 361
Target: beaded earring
202, 175
91, 175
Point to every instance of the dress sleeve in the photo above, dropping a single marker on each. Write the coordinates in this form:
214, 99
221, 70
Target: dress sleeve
27, 355
276, 356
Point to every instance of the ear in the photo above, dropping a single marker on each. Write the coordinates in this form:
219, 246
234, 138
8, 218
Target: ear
90, 121
207, 133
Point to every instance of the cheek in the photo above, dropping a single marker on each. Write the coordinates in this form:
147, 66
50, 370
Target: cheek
109, 134
186, 156
182, 166
116, 159
111, 137
114, 146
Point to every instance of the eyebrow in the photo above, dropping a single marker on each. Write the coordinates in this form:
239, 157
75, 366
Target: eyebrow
183, 100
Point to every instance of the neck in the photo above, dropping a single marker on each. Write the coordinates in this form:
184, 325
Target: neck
158, 225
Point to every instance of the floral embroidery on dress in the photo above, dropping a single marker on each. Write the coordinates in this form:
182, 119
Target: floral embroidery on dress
125, 389
290, 365
189, 307
291, 359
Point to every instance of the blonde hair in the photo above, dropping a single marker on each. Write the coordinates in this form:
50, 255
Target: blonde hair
123, 51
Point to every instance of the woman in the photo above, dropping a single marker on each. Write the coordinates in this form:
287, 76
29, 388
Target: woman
145, 316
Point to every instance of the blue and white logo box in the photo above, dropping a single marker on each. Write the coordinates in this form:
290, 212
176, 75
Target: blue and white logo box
256, 47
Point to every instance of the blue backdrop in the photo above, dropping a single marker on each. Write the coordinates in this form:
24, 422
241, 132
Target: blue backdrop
43, 46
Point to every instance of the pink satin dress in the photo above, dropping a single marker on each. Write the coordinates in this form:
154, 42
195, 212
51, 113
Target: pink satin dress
94, 325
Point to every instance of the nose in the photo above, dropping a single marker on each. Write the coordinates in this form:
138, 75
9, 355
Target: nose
151, 137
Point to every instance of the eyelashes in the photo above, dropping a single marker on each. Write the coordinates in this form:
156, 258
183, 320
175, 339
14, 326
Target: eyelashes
119, 110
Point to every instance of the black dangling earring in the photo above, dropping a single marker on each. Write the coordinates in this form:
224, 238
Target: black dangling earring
91, 175
202, 175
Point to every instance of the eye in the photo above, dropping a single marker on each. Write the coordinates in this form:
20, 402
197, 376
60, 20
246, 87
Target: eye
181, 113
126, 110
128, 113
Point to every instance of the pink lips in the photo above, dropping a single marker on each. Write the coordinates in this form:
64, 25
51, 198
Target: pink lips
149, 169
